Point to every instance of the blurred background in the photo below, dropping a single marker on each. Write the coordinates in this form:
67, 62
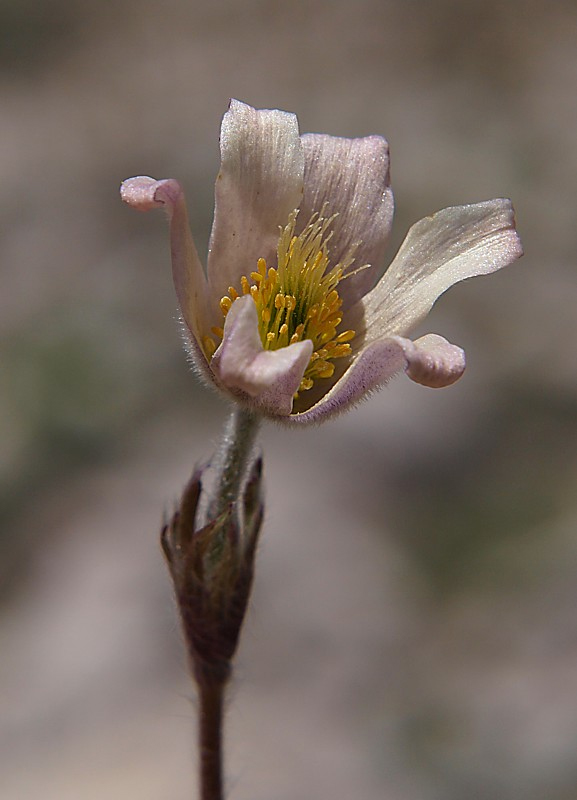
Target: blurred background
413, 634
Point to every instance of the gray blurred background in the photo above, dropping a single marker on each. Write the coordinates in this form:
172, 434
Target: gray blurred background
413, 634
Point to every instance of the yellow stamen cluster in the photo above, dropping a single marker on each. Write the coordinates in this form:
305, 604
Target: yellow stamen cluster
298, 299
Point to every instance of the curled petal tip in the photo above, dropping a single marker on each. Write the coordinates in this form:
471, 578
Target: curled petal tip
139, 192
433, 361
144, 193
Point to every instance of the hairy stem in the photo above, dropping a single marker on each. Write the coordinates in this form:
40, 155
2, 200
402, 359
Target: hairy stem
232, 458
230, 465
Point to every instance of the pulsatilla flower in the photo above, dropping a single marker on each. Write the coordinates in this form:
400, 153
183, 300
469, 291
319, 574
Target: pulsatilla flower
290, 318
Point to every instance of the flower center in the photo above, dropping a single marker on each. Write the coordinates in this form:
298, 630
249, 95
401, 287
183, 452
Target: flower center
298, 299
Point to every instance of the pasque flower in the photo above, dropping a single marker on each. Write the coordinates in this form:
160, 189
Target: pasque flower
290, 318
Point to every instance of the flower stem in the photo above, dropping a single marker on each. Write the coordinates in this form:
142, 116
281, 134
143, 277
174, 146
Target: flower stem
232, 465
210, 740
232, 458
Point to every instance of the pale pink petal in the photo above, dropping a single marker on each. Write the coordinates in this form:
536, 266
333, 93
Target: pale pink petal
439, 251
144, 193
267, 378
352, 177
260, 182
431, 361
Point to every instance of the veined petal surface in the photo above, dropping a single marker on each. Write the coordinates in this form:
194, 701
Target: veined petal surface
352, 177
260, 182
439, 251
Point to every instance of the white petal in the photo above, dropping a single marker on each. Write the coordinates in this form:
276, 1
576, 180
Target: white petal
352, 177
144, 194
268, 379
260, 182
440, 250
431, 361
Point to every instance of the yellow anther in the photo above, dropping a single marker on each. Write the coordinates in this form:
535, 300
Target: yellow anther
245, 285
279, 301
256, 276
283, 329
209, 346
345, 336
265, 314
254, 293
270, 336
233, 294
218, 331
306, 383
261, 266
225, 305
327, 371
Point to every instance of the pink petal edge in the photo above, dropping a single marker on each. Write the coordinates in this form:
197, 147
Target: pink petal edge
431, 361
